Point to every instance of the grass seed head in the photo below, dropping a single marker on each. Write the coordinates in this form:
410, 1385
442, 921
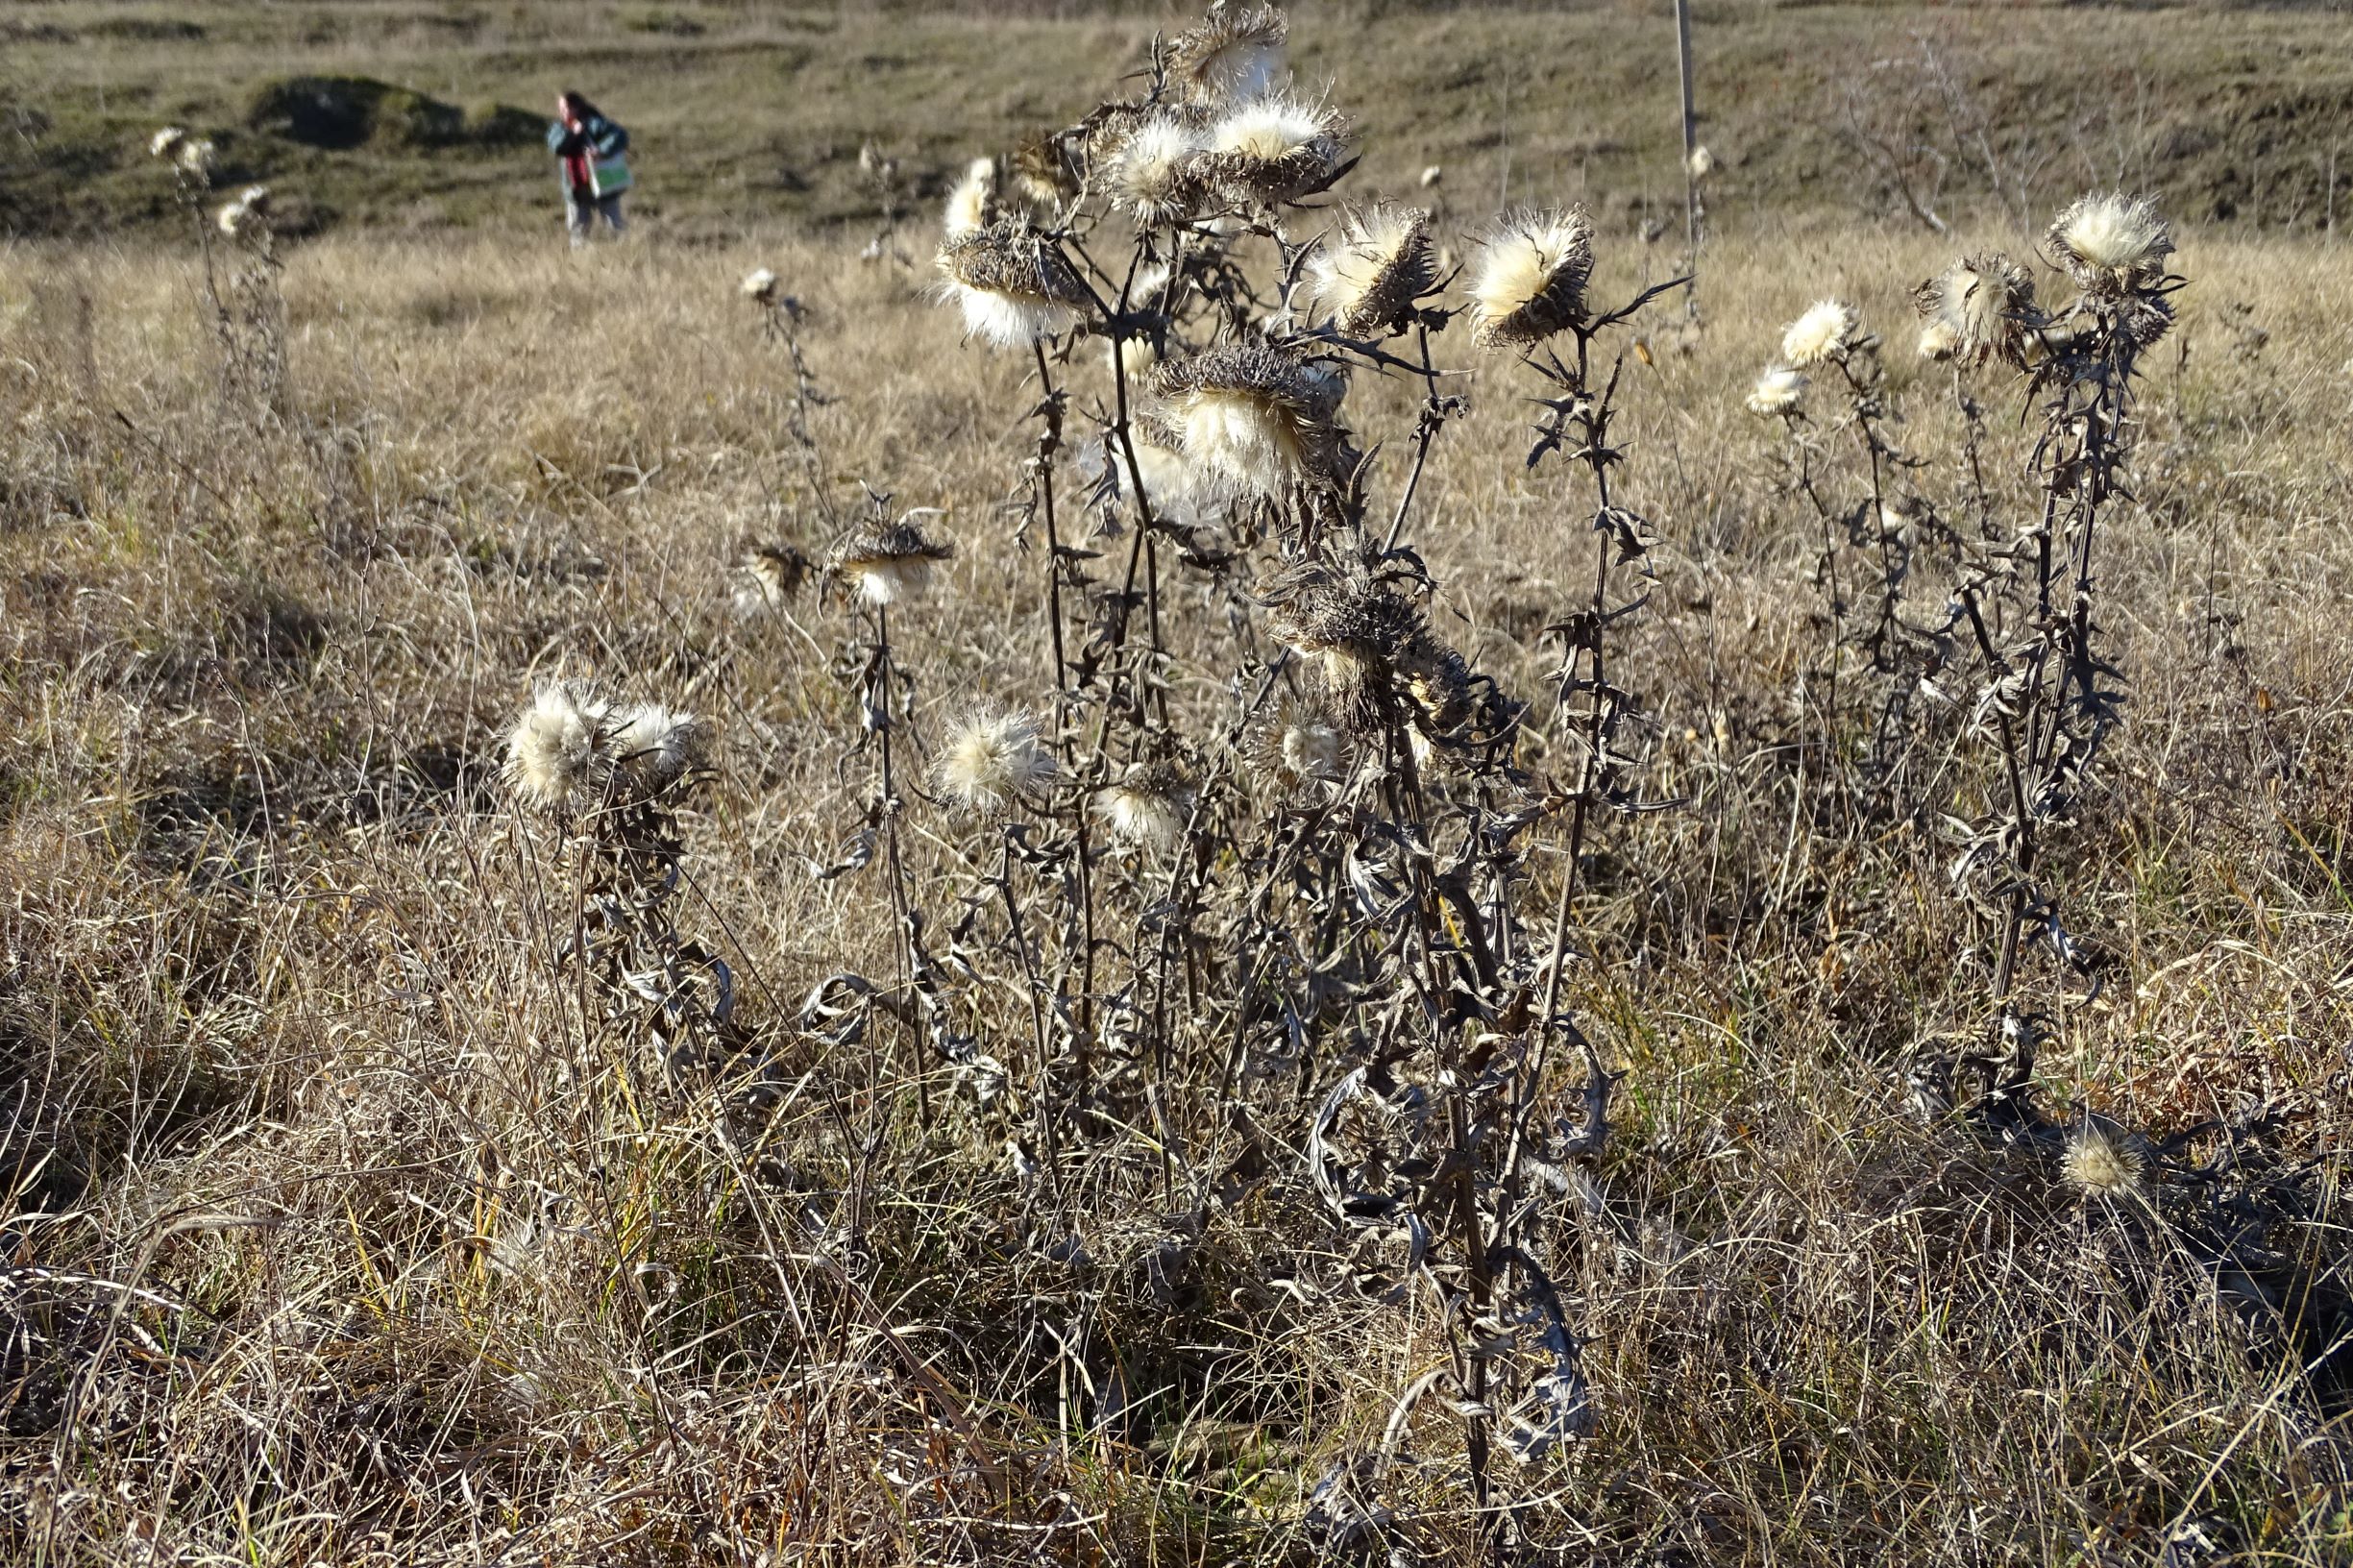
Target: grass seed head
1779, 390
1824, 335
991, 759
891, 564
1371, 275
1232, 54
1529, 279
2112, 245
1249, 416
1013, 283
1273, 150
1978, 307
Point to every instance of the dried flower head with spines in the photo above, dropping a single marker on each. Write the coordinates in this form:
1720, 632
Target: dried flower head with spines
991, 760
249, 207
1148, 805
1275, 149
1529, 279
890, 564
167, 141
1295, 744
1779, 390
769, 576
1826, 333
1984, 304
197, 155
2112, 245
1013, 283
654, 746
558, 754
759, 285
1347, 626
972, 205
1369, 276
1159, 172
2103, 1161
1233, 53
1251, 417
1938, 341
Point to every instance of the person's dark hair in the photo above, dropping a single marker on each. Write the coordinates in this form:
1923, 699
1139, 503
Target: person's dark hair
582, 107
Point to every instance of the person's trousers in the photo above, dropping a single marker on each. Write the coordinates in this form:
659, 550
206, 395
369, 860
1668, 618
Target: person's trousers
580, 211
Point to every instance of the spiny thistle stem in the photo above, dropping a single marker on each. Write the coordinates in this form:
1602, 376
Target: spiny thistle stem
1049, 443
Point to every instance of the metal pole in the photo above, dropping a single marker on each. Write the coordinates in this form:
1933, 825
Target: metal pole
1691, 181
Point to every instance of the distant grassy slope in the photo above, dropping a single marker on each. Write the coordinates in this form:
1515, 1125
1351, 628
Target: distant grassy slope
742, 111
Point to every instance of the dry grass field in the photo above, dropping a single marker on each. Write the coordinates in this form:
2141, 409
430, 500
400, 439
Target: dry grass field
399, 1173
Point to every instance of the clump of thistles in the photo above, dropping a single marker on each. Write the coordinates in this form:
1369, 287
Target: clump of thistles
972, 205
1529, 280
573, 747
1230, 53
1371, 275
1274, 149
1779, 390
2112, 245
759, 285
993, 759
1159, 174
2102, 1161
1149, 807
1012, 285
887, 565
1827, 333
250, 206
1250, 417
1979, 307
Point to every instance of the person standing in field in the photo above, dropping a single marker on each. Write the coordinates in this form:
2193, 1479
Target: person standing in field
588, 151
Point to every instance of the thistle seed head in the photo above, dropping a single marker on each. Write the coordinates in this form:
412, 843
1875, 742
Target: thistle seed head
653, 746
197, 155
1824, 335
769, 576
1159, 172
1232, 54
972, 205
556, 755
1779, 390
1149, 807
1273, 150
167, 141
1982, 303
1248, 417
888, 565
1369, 277
2103, 1161
1013, 283
991, 759
250, 206
2112, 245
1345, 625
759, 285
1529, 280
1702, 162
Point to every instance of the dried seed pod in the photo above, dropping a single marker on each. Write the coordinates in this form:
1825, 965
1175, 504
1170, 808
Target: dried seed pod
2112, 245
1149, 807
1826, 333
1528, 282
890, 564
1779, 390
1250, 417
1983, 306
1013, 283
1274, 150
1231, 54
991, 759
1371, 275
